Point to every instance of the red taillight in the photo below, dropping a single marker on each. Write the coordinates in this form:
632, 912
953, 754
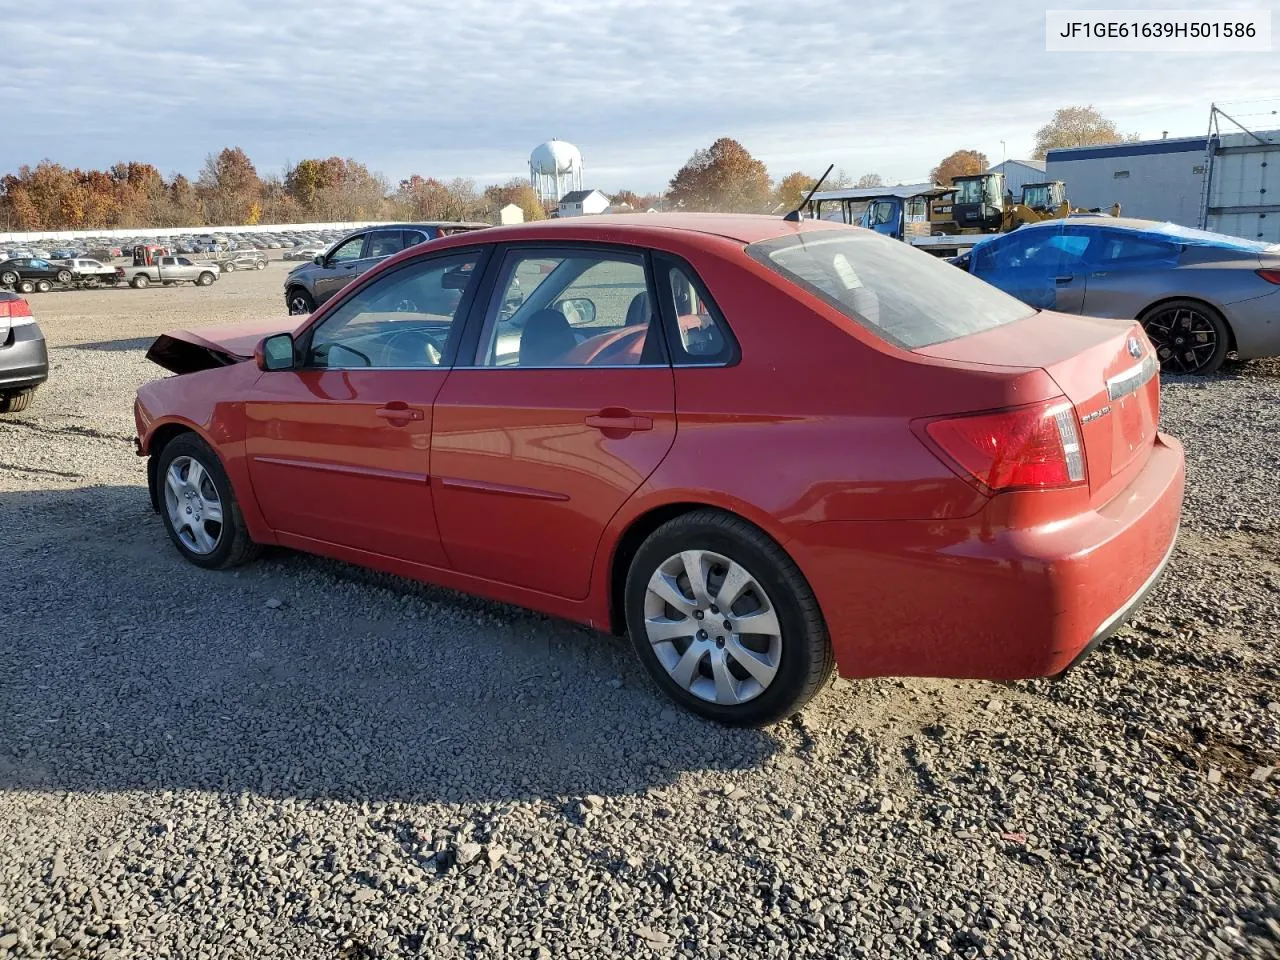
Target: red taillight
1271, 276
1035, 447
15, 308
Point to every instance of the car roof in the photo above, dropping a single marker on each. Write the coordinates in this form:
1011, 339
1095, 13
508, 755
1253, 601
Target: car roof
636, 227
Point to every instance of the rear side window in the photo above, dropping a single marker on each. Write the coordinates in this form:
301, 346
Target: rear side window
1120, 248
384, 243
907, 297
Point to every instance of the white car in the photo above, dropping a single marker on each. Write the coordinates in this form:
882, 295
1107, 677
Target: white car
86, 269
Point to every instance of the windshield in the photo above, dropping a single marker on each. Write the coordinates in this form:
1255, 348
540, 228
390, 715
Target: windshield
907, 297
1036, 196
969, 191
881, 211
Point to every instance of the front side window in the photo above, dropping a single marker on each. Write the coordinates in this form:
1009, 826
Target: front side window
403, 320
570, 309
349, 251
905, 296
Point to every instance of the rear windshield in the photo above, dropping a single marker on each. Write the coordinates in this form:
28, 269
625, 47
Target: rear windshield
908, 297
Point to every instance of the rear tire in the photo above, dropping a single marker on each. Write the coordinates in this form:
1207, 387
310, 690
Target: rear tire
64, 276
43, 286
228, 267
1190, 336
140, 282
16, 401
217, 544
26, 286
8, 279
790, 656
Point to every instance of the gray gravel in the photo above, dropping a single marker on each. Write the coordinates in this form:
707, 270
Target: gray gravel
302, 759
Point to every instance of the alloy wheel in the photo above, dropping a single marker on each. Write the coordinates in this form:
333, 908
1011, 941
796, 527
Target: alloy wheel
713, 627
193, 505
1185, 338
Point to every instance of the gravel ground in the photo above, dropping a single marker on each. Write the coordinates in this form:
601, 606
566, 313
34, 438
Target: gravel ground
302, 759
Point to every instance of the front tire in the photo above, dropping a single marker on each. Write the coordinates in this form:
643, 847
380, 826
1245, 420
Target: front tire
204, 279
64, 276
300, 302
199, 507
724, 621
8, 279
1190, 337
15, 401
260, 265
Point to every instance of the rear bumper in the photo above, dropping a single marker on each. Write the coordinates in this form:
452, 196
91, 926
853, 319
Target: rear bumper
24, 360
968, 598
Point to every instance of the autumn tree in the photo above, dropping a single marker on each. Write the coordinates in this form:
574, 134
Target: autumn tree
1077, 127
518, 191
962, 163
870, 180
791, 189
229, 186
723, 177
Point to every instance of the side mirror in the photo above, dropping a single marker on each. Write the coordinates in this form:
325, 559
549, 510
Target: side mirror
578, 310
274, 352
318, 259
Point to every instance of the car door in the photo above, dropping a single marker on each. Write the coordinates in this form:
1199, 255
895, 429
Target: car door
553, 417
1045, 268
340, 266
339, 448
1126, 271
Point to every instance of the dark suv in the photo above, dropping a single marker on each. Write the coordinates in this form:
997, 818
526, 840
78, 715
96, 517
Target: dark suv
311, 284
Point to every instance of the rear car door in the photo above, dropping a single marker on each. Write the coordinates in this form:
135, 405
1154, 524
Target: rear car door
339, 448
339, 268
1121, 281
553, 417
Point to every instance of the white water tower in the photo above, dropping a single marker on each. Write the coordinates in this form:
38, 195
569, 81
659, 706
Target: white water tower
555, 168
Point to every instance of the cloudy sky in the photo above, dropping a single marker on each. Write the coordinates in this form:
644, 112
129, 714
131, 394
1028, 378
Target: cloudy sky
468, 88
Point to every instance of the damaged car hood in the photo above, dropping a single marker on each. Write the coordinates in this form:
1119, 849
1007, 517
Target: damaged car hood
202, 348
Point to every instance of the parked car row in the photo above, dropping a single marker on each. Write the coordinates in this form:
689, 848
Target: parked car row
187, 243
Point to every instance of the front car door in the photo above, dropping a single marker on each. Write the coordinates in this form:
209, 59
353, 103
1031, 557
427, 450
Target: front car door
339, 448
339, 268
1044, 268
553, 417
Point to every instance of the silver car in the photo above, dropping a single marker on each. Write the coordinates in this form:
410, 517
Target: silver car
1200, 296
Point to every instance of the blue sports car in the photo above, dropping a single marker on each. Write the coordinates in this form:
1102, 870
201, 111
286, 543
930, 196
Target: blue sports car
1200, 296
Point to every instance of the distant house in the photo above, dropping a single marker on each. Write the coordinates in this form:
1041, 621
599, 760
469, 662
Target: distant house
578, 203
1019, 172
511, 213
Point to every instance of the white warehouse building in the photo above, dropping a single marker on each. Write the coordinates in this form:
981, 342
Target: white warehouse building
1229, 183
1018, 173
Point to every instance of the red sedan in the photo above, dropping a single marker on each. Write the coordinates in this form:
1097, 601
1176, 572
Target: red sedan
760, 448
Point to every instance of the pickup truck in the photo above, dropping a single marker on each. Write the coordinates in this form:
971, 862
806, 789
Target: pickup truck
168, 270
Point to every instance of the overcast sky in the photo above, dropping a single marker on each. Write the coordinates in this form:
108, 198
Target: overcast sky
469, 88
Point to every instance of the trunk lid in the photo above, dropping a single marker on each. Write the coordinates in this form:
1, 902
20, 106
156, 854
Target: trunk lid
1106, 368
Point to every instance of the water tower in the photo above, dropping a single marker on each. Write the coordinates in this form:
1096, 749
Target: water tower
555, 168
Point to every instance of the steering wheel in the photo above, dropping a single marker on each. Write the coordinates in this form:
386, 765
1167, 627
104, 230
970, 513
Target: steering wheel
426, 348
342, 346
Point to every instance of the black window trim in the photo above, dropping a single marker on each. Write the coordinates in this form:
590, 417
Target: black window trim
469, 345
678, 355
461, 321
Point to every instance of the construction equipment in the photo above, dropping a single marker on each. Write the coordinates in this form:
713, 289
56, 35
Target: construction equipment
983, 205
